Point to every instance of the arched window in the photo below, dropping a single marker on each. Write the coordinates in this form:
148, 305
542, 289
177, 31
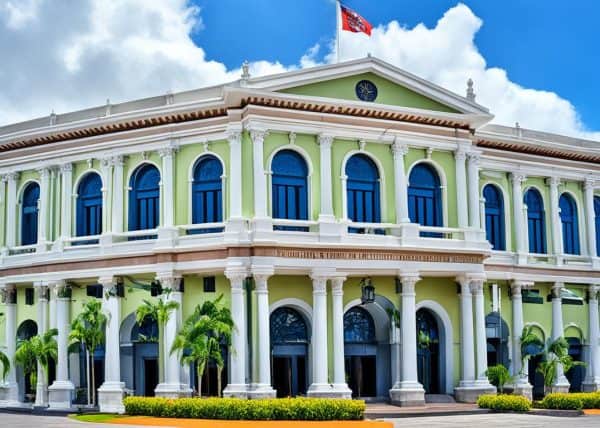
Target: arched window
144, 206
207, 193
362, 190
597, 222
494, 217
536, 225
425, 198
359, 326
570, 224
289, 187
89, 206
146, 332
288, 326
29, 214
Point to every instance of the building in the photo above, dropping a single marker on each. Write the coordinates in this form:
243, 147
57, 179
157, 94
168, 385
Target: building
371, 232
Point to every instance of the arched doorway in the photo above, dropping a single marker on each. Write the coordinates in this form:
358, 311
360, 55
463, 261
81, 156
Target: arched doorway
576, 374
536, 354
289, 350
144, 338
360, 350
497, 340
428, 351
26, 330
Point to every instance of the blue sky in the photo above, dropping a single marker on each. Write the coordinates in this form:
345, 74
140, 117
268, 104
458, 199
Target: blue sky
551, 45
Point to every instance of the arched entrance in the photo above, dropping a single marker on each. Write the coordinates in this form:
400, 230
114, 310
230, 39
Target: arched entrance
497, 340
289, 350
428, 351
536, 354
577, 373
360, 350
26, 330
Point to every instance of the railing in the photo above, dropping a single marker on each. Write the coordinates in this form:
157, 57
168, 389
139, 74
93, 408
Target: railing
21, 249
400, 229
287, 225
78, 241
201, 228
138, 235
441, 232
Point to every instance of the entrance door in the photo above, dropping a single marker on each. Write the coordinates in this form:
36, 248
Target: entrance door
535, 378
150, 376
428, 352
289, 375
575, 375
362, 375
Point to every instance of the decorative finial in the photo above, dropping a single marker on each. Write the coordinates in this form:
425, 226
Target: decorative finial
169, 98
470, 91
52, 118
518, 129
108, 108
369, 55
245, 71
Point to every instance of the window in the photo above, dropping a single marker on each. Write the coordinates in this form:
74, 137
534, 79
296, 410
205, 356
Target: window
144, 205
209, 284
207, 193
494, 217
570, 225
597, 223
424, 197
536, 225
29, 296
358, 326
29, 214
362, 190
289, 188
89, 206
288, 326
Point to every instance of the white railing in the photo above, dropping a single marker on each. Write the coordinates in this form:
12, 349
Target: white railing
443, 232
284, 222
186, 228
21, 249
422, 231
147, 233
81, 241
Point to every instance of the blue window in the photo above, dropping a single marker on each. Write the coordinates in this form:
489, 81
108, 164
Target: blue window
359, 326
362, 189
29, 214
290, 195
597, 223
494, 217
570, 224
425, 198
89, 206
144, 207
536, 225
207, 193
288, 326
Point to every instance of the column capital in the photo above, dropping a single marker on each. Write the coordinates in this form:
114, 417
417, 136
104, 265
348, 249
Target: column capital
236, 275
261, 276
517, 177
66, 167
460, 154
169, 149
409, 281
517, 286
319, 283
170, 280
337, 285
11, 176
593, 291
43, 290
399, 148
325, 140
258, 135
234, 136
556, 290
474, 157
107, 281
44, 172
553, 181
589, 182
8, 294
477, 286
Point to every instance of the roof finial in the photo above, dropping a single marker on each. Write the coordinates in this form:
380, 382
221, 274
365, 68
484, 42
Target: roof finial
368, 54
470, 91
245, 71
107, 108
519, 130
52, 118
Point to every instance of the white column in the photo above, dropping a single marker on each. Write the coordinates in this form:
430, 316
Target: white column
235, 176
107, 185
61, 391
66, 171
320, 385
10, 387
466, 334
409, 392
520, 229
52, 309
555, 219
260, 179
41, 391
167, 202
474, 207
44, 211
592, 381
590, 216
325, 143
11, 209
480, 336
461, 186
237, 386
520, 373
118, 190
111, 392
263, 388
399, 150
561, 384
337, 320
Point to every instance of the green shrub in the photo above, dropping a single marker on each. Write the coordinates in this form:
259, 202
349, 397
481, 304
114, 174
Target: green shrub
504, 403
309, 409
574, 401
498, 376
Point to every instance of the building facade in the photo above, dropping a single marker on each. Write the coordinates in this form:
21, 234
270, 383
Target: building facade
372, 234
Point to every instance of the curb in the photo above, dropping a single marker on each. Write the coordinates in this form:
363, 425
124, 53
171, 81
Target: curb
400, 415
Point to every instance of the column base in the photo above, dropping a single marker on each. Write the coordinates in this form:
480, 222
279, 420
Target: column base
328, 390
9, 394
258, 391
110, 397
41, 395
561, 385
591, 385
234, 390
470, 394
60, 395
407, 394
523, 388
169, 390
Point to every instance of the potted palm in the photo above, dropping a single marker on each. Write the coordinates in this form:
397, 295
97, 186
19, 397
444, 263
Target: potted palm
36, 352
528, 341
556, 354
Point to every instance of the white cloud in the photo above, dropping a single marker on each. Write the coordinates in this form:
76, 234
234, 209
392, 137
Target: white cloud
72, 55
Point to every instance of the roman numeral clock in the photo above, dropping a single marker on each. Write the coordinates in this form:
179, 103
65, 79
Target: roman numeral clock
366, 91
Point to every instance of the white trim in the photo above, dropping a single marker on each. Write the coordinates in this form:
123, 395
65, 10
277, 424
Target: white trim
443, 184
381, 319
507, 205
74, 192
19, 208
576, 327
191, 170
448, 332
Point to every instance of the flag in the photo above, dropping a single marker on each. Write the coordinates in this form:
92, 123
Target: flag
352, 21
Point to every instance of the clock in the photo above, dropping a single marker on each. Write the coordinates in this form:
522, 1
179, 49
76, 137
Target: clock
366, 90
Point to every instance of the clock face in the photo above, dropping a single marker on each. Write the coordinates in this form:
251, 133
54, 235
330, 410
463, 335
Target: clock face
366, 90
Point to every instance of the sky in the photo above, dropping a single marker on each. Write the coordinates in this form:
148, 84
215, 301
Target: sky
533, 62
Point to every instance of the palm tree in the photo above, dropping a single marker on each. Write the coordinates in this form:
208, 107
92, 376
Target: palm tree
528, 338
557, 353
159, 312
37, 350
202, 336
5, 362
87, 329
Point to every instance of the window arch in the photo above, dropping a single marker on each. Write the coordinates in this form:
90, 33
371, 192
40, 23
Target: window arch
362, 190
570, 224
536, 224
597, 223
425, 198
359, 326
207, 192
89, 206
289, 187
144, 204
494, 217
288, 326
29, 214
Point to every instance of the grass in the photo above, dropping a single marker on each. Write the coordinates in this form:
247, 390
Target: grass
95, 417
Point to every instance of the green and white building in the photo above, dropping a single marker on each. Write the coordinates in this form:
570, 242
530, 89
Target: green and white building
372, 233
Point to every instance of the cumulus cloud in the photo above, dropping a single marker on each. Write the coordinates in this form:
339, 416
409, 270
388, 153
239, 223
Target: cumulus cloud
71, 55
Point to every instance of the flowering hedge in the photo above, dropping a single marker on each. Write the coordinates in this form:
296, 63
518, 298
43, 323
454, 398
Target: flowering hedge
308, 409
511, 403
572, 401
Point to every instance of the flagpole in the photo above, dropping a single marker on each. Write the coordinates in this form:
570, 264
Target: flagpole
338, 10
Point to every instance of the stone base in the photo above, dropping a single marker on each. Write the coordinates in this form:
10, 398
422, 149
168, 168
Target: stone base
167, 390
470, 394
236, 391
41, 395
524, 389
591, 385
60, 395
260, 391
9, 394
326, 390
407, 394
110, 397
563, 389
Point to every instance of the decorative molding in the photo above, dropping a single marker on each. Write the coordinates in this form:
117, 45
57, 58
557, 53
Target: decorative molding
517, 177
292, 138
325, 140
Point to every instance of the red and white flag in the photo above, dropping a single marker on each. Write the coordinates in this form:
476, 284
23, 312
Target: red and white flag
352, 21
